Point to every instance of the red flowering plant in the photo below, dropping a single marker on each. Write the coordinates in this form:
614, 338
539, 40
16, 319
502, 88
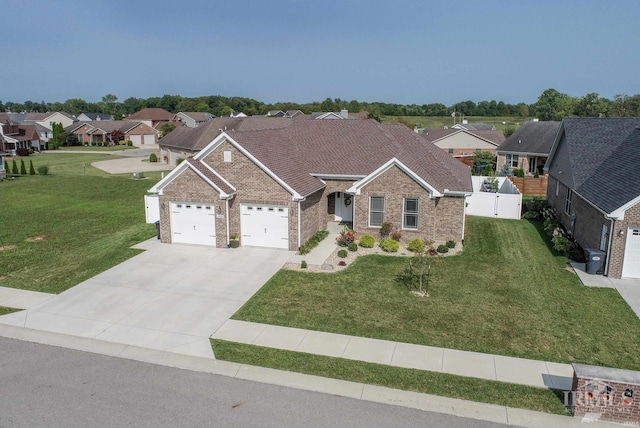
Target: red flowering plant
347, 236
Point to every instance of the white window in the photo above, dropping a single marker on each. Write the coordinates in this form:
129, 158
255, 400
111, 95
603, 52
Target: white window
567, 202
557, 187
411, 213
376, 211
227, 155
512, 160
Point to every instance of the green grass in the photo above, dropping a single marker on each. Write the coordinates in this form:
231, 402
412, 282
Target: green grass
441, 121
507, 293
506, 394
5, 310
97, 148
90, 220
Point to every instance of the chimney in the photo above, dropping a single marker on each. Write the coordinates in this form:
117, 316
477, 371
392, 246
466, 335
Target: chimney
344, 113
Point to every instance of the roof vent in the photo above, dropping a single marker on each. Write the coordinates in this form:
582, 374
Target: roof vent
519, 141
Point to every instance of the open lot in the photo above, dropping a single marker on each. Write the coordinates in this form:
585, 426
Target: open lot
70, 225
507, 293
441, 121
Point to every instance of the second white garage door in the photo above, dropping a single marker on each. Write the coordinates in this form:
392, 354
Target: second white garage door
136, 140
193, 223
149, 139
631, 265
265, 226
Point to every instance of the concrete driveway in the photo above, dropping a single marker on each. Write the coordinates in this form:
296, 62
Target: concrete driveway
170, 297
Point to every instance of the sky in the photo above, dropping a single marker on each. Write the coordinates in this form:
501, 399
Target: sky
394, 51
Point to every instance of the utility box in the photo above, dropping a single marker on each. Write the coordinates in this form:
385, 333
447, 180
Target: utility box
595, 261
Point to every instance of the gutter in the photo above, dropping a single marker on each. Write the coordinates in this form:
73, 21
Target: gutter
226, 202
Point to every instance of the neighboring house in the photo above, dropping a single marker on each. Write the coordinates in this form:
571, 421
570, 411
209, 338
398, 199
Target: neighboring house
3, 172
528, 147
44, 122
192, 119
183, 142
479, 126
594, 187
88, 117
293, 113
237, 114
153, 117
99, 131
343, 114
463, 144
277, 187
14, 136
276, 113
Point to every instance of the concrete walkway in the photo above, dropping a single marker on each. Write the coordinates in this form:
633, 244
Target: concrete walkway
471, 364
22, 299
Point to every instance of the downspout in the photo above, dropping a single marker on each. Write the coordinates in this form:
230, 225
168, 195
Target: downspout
606, 264
299, 225
226, 203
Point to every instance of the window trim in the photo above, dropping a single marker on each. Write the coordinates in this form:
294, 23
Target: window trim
413, 213
371, 211
510, 158
568, 202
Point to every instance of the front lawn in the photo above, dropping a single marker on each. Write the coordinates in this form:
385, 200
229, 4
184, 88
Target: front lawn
64, 228
507, 293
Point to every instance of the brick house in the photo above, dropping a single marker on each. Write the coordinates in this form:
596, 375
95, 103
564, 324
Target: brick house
528, 147
594, 187
277, 187
462, 143
99, 131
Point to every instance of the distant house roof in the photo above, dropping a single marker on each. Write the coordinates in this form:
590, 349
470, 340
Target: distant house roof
276, 113
107, 126
155, 114
36, 117
531, 138
197, 116
96, 116
293, 113
195, 139
494, 137
603, 154
479, 126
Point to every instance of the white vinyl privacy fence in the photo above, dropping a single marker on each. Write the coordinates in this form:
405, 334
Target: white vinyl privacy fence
494, 197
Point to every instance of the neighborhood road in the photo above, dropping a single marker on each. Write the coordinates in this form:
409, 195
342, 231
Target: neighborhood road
48, 386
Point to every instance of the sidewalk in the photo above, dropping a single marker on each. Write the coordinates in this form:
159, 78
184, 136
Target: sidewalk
521, 371
22, 299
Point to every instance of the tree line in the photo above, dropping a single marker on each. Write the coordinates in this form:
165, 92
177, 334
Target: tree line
551, 105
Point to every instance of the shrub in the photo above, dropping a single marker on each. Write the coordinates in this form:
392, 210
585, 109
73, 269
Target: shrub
416, 245
562, 244
352, 247
43, 170
390, 245
531, 215
443, 248
536, 175
451, 244
534, 208
303, 264
342, 254
14, 168
23, 168
32, 170
367, 241
550, 224
385, 230
6, 166
153, 157
93, 143
22, 151
342, 263
313, 241
396, 235
179, 161
518, 172
129, 143
347, 236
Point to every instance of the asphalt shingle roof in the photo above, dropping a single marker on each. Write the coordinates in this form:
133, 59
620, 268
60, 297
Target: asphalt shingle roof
604, 154
349, 147
494, 136
152, 114
531, 137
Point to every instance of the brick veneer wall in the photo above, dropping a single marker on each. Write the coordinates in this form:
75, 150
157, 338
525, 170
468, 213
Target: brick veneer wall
631, 219
440, 219
589, 222
593, 400
189, 187
253, 186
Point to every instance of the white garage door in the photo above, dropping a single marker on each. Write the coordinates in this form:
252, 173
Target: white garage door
193, 223
265, 226
136, 140
631, 266
149, 139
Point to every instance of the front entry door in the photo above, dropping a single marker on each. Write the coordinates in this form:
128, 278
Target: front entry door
344, 207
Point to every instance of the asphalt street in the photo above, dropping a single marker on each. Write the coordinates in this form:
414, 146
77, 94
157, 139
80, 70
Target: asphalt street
47, 386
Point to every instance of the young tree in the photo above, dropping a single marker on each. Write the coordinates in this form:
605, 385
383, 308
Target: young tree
32, 170
23, 168
165, 128
14, 168
117, 136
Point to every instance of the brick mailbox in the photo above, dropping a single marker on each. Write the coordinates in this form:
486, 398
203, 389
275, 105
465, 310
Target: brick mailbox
606, 394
